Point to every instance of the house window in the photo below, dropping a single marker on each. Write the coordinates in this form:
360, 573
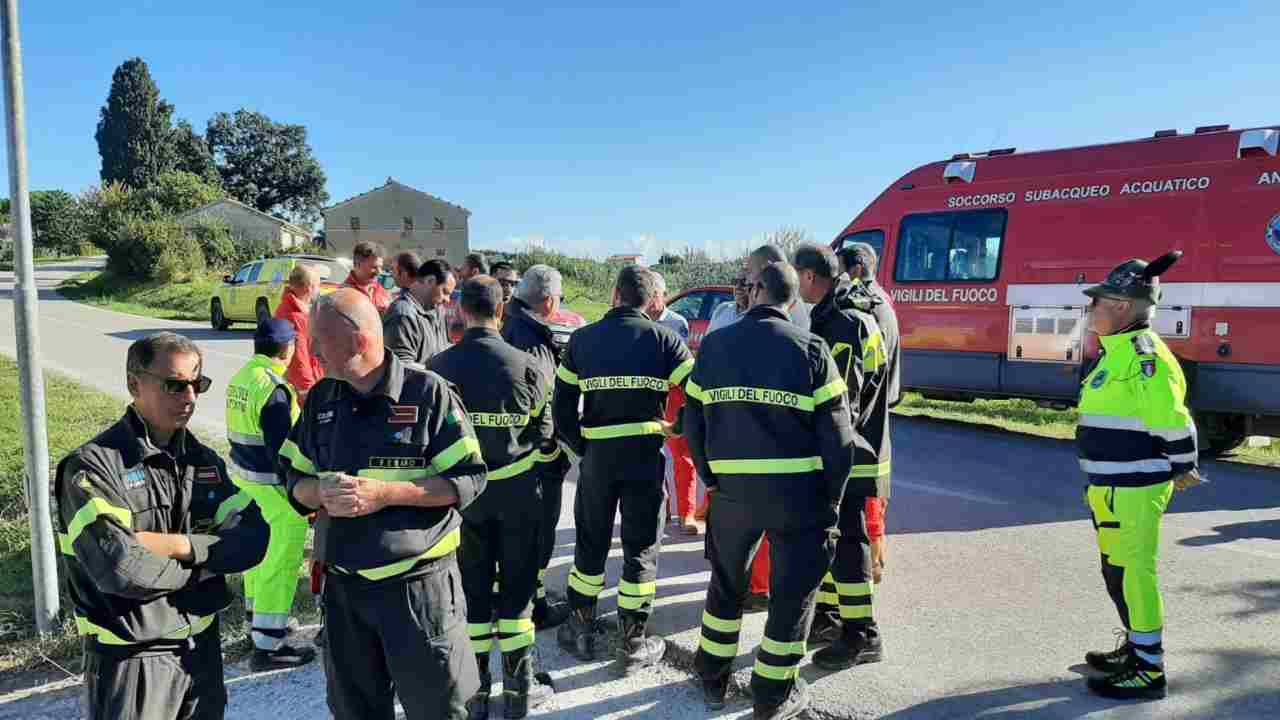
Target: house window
408, 224
439, 224
440, 252
355, 223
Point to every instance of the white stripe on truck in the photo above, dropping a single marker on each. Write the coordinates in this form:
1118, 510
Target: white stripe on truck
1229, 294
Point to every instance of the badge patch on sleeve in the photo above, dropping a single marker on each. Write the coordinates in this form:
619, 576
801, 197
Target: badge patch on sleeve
135, 479
403, 415
207, 475
1098, 380
1149, 368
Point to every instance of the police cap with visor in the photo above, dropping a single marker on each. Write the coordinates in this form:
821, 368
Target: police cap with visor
1135, 279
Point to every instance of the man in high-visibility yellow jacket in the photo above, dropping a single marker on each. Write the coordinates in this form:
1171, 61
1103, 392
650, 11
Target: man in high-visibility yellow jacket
261, 410
1137, 443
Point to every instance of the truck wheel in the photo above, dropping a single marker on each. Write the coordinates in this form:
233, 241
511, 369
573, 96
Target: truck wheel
1219, 433
217, 318
262, 311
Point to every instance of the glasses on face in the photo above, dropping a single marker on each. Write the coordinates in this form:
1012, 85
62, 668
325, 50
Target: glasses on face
175, 386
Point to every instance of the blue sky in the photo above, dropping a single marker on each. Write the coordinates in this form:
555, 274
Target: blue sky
609, 130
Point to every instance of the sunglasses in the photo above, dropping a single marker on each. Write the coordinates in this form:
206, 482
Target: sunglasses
174, 386
508, 283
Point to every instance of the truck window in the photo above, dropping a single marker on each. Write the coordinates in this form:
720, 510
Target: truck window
951, 246
874, 238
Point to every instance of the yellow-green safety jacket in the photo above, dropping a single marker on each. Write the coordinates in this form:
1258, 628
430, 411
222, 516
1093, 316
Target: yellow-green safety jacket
261, 409
1135, 428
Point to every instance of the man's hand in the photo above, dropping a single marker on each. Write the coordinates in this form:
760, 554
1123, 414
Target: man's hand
350, 496
171, 545
1188, 479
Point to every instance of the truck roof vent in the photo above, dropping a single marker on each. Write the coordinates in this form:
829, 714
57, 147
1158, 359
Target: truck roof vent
1211, 129
1256, 143
1001, 151
960, 156
1165, 133
960, 170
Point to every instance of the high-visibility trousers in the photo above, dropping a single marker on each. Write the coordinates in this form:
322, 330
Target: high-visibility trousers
799, 558
270, 587
1127, 522
499, 529
622, 474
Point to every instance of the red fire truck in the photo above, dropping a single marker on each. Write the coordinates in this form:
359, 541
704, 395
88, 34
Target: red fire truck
985, 256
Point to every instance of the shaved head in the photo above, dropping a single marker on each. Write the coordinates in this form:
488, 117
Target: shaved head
346, 332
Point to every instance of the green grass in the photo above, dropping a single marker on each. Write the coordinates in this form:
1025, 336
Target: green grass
166, 300
74, 414
1025, 416
584, 302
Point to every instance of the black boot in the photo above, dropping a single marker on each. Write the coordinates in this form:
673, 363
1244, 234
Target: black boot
548, 613
522, 687
1114, 661
637, 648
856, 645
285, 656
714, 688
1137, 680
826, 627
797, 702
478, 704
578, 634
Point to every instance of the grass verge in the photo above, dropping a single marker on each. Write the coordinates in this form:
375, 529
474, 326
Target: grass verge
188, 300
1024, 416
74, 415
9, 266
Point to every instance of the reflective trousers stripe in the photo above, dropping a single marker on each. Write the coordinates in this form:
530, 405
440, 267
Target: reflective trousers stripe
588, 585
767, 466
515, 634
636, 596
198, 625
446, 545
608, 432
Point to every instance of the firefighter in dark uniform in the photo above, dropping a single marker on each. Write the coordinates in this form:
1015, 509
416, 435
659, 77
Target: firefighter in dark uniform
841, 317
526, 324
622, 367
505, 391
149, 524
1137, 443
386, 452
770, 432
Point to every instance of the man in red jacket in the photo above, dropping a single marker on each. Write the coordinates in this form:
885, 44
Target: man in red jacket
366, 266
304, 286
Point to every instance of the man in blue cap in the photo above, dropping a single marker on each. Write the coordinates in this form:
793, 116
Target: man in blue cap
261, 410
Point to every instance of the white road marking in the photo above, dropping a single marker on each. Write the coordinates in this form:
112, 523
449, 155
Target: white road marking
935, 490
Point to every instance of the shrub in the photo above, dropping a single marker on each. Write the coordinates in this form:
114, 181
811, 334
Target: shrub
180, 259
214, 239
176, 192
250, 248
139, 242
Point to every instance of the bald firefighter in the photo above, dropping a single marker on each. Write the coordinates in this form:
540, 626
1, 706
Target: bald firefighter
1137, 444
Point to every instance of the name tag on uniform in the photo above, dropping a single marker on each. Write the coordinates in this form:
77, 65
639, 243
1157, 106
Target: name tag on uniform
325, 417
207, 475
397, 463
403, 415
133, 479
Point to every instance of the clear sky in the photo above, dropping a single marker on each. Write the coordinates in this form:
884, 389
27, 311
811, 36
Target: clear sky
705, 124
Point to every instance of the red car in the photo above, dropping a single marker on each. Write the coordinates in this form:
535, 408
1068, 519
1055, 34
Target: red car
696, 305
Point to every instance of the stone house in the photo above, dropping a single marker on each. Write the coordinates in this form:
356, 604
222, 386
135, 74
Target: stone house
248, 222
399, 218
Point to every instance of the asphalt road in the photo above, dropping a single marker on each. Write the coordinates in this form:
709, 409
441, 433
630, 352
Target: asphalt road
991, 598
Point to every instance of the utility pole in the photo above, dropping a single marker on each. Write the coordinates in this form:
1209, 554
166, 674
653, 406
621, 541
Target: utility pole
35, 441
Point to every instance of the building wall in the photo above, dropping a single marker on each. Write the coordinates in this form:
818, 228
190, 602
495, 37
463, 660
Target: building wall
382, 216
246, 224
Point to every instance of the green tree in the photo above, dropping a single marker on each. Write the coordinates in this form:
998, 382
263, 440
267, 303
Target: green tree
135, 132
267, 165
54, 221
176, 192
193, 153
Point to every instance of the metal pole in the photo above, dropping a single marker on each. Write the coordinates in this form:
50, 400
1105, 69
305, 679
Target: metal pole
35, 442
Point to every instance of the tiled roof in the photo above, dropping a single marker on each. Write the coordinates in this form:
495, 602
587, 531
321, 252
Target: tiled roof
392, 181
236, 203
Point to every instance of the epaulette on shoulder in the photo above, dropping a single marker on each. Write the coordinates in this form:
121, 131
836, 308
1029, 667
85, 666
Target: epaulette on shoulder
1143, 344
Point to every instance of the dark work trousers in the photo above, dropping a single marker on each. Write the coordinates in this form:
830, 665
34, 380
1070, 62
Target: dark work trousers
498, 528
848, 588
798, 557
183, 682
404, 636
627, 474
552, 475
